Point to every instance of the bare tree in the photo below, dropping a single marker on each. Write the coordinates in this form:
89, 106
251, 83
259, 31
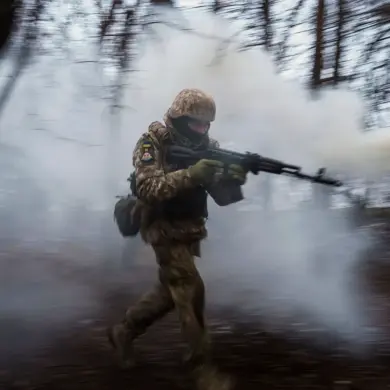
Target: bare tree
336, 28
342, 15
318, 55
32, 15
375, 65
260, 26
8, 16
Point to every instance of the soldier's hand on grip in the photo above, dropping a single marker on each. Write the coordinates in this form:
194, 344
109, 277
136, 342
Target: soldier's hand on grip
237, 173
205, 171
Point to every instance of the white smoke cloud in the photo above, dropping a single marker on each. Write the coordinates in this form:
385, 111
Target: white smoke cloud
77, 158
268, 265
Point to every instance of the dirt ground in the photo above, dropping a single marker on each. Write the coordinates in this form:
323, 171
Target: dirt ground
62, 345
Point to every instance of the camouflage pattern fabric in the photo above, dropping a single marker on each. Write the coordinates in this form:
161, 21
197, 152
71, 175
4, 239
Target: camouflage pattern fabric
175, 244
156, 181
175, 241
153, 184
179, 287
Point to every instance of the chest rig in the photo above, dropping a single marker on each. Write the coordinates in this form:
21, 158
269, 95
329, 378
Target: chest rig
189, 204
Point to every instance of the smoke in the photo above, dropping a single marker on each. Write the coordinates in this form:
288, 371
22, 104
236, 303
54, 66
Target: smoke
64, 159
279, 266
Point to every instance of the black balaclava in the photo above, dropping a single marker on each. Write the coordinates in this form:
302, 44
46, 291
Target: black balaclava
186, 136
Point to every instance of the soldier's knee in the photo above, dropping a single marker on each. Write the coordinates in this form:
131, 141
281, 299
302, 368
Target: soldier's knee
178, 270
186, 290
131, 317
184, 278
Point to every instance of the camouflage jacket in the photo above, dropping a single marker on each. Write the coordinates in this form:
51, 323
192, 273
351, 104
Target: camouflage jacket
161, 187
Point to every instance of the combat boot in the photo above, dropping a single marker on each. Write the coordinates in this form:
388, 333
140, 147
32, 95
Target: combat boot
121, 338
191, 360
208, 377
199, 357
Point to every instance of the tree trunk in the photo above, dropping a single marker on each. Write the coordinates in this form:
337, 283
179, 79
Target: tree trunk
342, 9
319, 46
267, 24
216, 6
7, 19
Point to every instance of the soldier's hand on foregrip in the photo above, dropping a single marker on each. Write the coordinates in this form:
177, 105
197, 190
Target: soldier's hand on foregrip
237, 173
205, 171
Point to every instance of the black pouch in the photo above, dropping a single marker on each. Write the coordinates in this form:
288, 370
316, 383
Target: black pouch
226, 192
126, 216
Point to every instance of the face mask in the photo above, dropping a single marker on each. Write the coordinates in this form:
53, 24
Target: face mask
195, 135
198, 126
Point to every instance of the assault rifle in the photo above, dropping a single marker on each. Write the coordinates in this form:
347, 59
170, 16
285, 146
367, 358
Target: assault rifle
251, 162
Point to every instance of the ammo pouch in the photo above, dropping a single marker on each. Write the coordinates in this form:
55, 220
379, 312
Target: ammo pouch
127, 215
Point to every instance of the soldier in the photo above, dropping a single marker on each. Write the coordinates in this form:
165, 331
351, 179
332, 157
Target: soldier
174, 211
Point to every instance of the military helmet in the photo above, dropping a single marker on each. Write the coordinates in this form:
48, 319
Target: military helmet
193, 103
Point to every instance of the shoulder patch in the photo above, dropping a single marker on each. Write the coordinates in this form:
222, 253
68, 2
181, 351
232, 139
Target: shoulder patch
146, 144
147, 151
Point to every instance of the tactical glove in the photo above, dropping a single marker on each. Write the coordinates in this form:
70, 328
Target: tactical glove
237, 173
206, 171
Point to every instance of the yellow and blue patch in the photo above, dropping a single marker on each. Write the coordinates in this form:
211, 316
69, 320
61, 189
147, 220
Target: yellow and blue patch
147, 152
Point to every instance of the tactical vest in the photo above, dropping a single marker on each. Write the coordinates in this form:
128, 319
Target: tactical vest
191, 203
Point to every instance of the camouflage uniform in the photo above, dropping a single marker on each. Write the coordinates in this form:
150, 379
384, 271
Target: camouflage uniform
174, 211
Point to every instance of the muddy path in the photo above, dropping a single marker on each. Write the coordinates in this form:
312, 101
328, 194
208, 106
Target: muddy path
62, 344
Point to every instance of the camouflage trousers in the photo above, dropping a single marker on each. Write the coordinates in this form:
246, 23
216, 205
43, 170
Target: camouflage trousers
179, 287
